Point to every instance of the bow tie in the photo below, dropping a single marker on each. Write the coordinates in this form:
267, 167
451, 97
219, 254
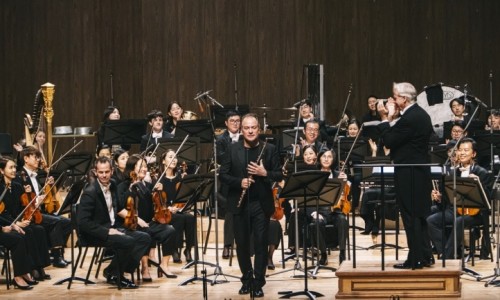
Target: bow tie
33, 174
234, 136
156, 135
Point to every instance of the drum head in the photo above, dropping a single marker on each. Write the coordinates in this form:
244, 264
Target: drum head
441, 112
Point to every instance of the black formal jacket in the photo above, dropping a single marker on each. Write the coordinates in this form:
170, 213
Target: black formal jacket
408, 140
233, 169
92, 216
145, 138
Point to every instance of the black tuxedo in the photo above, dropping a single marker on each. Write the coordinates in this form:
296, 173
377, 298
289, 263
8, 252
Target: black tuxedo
94, 223
408, 140
251, 220
57, 227
435, 220
147, 140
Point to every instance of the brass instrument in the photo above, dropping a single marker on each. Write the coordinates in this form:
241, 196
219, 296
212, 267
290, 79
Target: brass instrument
244, 191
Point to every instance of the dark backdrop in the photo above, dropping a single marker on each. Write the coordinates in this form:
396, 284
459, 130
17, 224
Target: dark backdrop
164, 50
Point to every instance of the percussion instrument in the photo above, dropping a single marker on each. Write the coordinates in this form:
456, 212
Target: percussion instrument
440, 112
189, 115
63, 130
83, 130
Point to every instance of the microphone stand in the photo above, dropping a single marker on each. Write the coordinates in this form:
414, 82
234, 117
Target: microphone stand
235, 89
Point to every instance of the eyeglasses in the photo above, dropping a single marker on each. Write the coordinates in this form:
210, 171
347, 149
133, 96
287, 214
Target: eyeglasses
234, 121
457, 131
312, 130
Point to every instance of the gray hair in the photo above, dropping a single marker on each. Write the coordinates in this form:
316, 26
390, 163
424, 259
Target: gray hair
406, 89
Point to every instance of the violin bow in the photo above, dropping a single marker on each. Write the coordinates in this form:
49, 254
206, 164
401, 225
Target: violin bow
343, 112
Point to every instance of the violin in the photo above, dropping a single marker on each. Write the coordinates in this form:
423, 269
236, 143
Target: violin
28, 201
278, 208
52, 199
162, 213
2, 204
131, 219
344, 205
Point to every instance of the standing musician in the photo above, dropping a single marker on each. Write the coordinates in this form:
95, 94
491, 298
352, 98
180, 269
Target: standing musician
230, 136
408, 140
57, 227
96, 217
183, 222
245, 176
159, 230
35, 235
155, 120
466, 152
175, 112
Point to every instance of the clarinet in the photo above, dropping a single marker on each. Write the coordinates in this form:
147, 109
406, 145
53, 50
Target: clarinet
244, 191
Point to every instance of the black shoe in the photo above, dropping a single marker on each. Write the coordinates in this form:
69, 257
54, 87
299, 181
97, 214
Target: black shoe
407, 265
187, 254
160, 269
30, 282
21, 287
258, 293
40, 275
323, 261
59, 262
124, 282
176, 258
226, 252
245, 289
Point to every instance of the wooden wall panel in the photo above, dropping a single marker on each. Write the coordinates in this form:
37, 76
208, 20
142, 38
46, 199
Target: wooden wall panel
164, 50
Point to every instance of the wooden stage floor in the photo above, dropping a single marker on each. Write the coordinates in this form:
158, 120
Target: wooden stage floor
325, 283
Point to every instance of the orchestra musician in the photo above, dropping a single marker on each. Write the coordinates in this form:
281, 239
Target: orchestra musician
155, 120
57, 227
408, 139
103, 150
251, 182
493, 120
230, 136
120, 157
306, 114
457, 107
372, 114
175, 113
183, 222
311, 133
141, 191
34, 235
96, 218
111, 113
466, 153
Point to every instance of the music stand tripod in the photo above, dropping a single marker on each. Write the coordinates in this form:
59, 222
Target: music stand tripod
304, 186
191, 188
328, 196
465, 192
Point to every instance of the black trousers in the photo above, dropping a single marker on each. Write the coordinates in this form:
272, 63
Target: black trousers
57, 228
162, 233
37, 246
130, 248
16, 243
252, 224
185, 226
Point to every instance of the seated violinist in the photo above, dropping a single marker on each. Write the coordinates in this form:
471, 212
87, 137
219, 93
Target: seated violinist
152, 217
183, 222
96, 218
466, 152
19, 234
57, 227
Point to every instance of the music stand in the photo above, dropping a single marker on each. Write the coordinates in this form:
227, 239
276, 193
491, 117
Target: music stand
359, 151
75, 165
199, 128
288, 138
190, 192
304, 186
190, 151
465, 192
219, 113
328, 196
72, 197
124, 132
439, 153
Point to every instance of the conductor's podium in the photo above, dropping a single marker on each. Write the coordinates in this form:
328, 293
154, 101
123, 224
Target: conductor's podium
367, 280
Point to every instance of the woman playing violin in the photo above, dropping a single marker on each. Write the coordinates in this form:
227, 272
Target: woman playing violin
184, 223
34, 235
140, 191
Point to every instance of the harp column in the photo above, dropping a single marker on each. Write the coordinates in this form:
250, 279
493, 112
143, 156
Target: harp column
48, 112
